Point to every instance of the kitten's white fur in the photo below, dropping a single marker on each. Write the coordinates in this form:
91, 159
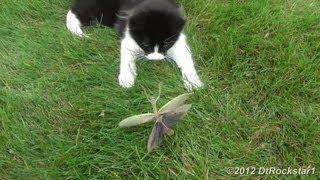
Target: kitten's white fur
128, 53
74, 25
155, 55
180, 53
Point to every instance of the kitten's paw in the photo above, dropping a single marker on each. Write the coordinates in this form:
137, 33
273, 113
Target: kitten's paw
193, 83
74, 25
126, 80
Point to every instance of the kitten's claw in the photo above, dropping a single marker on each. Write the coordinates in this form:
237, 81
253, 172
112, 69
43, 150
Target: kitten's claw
126, 80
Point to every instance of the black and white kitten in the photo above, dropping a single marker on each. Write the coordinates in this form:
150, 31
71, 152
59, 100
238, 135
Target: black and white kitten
148, 28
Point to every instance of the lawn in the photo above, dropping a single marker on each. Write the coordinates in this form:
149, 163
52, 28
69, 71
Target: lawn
60, 103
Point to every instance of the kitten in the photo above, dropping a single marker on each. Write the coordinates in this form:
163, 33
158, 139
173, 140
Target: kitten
148, 28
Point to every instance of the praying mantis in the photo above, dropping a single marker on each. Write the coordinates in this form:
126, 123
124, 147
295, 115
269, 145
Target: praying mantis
164, 119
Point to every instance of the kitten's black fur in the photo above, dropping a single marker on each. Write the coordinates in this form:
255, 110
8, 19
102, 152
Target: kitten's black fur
150, 22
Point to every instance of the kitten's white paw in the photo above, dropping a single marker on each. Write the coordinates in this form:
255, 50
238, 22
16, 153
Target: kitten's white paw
193, 83
74, 24
126, 79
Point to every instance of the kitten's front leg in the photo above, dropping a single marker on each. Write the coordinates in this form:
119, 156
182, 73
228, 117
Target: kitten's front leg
181, 54
127, 65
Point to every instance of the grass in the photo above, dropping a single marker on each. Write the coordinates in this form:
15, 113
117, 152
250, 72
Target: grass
260, 61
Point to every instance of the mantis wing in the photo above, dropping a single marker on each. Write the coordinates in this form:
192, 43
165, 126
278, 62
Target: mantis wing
171, 118
156, 136
175, 102
163, 127
137, 120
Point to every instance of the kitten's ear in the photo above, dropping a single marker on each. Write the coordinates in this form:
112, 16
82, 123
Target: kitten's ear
125, 15
182, 17
181, 12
